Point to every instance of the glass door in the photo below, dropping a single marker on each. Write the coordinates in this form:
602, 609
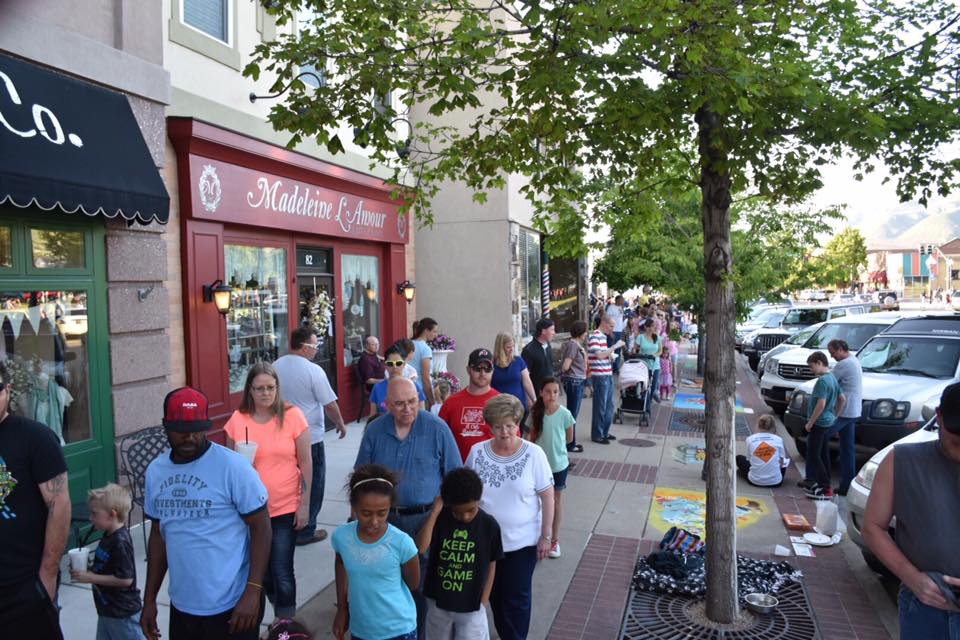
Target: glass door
315, 306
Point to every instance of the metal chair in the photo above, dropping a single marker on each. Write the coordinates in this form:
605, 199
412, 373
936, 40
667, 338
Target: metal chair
137, 451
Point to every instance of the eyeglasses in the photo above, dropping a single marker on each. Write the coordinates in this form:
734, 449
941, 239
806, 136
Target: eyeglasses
267, 389
483, 369
314, 345
394, 363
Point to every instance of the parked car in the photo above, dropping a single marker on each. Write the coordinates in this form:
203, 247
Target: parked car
793, 342
955, 300
764, 317
910, 362
74, 321
888, 300
785, 373
796, 319
859, 490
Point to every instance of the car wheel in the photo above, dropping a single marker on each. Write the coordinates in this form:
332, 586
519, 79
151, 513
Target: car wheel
801, 446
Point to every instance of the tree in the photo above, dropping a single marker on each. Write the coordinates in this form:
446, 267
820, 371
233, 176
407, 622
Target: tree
735, 98
843, 258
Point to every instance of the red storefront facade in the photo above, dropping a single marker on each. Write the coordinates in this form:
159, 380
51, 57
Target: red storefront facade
290, 234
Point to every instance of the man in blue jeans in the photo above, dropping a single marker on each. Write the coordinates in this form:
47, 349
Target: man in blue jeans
849, 376
917, 483
600, 360
304, 384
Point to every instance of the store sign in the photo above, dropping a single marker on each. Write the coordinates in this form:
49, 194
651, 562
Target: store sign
229, 193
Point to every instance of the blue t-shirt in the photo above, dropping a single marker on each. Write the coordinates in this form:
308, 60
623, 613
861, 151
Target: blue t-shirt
510, 379
381, 605
378, 395
828, 389
421, 352
200, 506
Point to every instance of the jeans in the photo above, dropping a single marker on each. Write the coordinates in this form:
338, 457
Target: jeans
818, 455
511, 598
279, 584
846, 430
119, 628
316, 491
573, 388
411, 524
602, 407
612, 339
654, 388
921, 622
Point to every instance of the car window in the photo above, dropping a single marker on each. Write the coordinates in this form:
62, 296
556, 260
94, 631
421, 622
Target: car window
855, 311
805, 317
801, 336
838, 313
854, 335
930, 358
774, 321
946, 325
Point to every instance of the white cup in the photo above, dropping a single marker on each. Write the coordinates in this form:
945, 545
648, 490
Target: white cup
79, 558
247, 449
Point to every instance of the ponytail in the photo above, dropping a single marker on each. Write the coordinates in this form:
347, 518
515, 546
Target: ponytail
422, 325
537, 411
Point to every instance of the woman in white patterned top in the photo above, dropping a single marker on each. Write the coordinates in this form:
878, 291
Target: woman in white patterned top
518, 492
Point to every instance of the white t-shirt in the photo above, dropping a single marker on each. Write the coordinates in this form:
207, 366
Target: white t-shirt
510, 490
765, 451
305, 385
615, 312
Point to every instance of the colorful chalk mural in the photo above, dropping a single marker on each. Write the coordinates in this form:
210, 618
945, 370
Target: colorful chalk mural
687, 508
696, 402
689, 454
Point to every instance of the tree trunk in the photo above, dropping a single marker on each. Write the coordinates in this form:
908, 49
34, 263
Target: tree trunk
701, 347
719, 382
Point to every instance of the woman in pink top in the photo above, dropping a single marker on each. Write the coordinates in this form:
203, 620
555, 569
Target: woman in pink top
283, 461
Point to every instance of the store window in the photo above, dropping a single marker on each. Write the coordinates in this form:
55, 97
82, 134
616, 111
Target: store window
46, 357
530, 310
564, 292
6, 247
258, 323
309, 22
360, 290
57, 249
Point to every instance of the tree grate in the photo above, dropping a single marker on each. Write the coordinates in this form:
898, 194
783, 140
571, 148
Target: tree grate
636, 442
657, 616
692, 421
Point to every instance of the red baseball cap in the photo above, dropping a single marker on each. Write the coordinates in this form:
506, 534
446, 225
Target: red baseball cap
185, 410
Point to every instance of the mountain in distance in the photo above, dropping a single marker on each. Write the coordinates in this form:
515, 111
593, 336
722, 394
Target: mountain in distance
911, 225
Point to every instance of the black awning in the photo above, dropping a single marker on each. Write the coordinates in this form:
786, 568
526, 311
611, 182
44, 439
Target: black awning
69, 145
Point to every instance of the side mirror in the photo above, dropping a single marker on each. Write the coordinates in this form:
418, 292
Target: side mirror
929, 410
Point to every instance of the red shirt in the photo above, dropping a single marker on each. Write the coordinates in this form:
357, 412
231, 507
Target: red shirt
463, 413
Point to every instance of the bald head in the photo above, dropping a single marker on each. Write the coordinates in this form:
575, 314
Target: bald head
403, 401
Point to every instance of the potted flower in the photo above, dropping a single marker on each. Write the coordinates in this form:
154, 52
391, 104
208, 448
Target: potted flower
441, 346
449, 377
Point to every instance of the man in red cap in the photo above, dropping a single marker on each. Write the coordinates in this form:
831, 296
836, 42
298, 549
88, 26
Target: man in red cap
210, 529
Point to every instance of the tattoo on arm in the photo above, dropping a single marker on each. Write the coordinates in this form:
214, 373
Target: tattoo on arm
53, 488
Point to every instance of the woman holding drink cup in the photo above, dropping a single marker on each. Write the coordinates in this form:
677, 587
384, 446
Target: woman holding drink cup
275, 437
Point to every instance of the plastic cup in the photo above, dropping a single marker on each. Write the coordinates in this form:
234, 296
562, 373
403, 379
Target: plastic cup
247, 449
79, 558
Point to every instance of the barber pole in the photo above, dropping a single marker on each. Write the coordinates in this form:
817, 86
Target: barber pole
545, 287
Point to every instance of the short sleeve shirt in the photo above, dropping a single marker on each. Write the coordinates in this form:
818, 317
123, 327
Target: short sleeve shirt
553, 438
849, 375
509, 379
765, 452
511, 488
827, 389
463, 413
201, 506
616, 314
597, 344
30, 455
573, 351
276, 458
460, 557
381, 605
305, 385
421, 352
378, 395
114, 557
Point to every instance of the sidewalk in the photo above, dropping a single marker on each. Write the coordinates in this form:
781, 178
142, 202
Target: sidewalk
619, 501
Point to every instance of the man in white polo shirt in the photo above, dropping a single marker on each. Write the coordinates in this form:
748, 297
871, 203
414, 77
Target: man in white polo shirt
304, 384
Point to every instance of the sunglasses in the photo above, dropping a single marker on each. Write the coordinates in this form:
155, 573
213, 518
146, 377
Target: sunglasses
394, 363
483, 369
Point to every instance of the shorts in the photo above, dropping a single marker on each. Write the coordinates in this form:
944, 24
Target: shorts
560, 480
446, 625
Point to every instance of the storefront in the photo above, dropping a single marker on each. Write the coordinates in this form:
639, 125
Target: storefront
72, 157
298, 241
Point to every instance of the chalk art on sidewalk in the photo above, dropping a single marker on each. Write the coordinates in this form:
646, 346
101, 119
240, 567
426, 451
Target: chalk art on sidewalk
687, 508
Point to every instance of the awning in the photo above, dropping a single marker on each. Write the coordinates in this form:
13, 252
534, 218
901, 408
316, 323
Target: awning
72, 146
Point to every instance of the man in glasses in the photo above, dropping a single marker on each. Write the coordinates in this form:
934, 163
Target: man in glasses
463, 411
34, 521
304, 384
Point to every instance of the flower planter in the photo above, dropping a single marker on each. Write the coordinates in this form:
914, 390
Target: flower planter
439, 362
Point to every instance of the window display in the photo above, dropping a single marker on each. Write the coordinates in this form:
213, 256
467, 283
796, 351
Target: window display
46, 356
360, 278
257, 325
530, 304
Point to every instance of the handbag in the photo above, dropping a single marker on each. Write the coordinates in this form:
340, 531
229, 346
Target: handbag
677, 539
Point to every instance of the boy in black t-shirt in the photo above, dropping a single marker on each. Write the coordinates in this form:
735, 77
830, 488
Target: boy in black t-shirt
465, 544
114, 575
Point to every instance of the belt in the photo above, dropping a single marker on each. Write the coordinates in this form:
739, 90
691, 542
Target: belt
412, 511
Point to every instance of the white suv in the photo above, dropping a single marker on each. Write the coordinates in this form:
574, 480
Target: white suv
786, 372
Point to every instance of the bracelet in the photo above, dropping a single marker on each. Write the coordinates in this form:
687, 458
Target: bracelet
254, 584
547, 538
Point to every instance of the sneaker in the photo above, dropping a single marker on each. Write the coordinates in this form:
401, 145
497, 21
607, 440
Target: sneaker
554, 550
806, 484
610, 436
817, 492
601, 441
318, 536
840, 492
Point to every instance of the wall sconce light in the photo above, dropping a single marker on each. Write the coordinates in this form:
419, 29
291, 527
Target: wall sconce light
219, 294
407, 289
371, 292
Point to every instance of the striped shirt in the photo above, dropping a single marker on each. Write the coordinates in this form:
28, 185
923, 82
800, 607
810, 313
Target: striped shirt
599, 365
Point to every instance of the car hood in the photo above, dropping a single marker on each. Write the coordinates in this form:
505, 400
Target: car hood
799, 356
920, 435
914, 389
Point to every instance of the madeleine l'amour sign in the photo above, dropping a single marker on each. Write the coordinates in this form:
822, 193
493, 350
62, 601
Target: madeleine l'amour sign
229, 193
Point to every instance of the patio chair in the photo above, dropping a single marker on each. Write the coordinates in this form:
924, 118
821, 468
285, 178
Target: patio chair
137, 451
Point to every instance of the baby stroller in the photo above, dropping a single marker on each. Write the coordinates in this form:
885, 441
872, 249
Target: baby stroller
634, 384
